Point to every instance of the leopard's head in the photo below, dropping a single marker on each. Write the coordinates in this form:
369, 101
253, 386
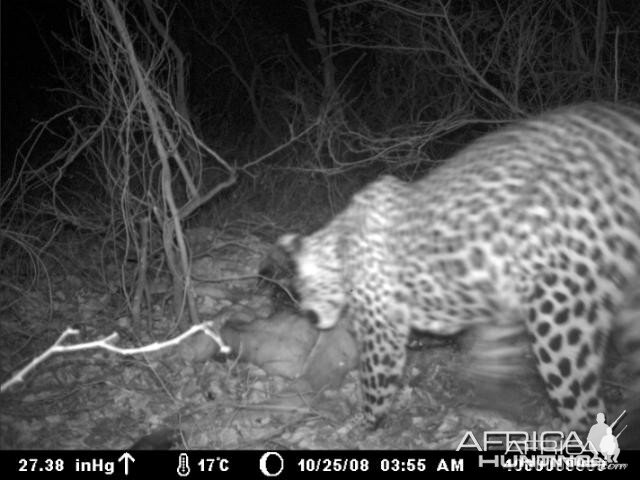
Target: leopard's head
318, 278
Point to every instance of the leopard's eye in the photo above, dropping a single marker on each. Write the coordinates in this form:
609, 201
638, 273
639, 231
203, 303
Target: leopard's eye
312, 316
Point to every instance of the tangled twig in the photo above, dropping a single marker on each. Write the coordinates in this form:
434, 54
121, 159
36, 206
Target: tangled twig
107, 344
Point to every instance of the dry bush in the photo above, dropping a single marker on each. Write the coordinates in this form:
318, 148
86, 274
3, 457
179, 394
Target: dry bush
412, 73
396, 84
494, 59
129, 166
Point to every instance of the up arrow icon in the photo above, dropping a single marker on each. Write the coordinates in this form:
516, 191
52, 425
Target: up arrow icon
126, 457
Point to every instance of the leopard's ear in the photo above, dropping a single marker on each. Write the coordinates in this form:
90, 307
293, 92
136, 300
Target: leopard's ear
279, 264
280, 261
290, 243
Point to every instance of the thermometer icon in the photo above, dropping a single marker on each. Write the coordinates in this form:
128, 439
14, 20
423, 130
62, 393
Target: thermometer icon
183, 465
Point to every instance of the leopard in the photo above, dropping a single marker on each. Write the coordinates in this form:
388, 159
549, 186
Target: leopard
530, 231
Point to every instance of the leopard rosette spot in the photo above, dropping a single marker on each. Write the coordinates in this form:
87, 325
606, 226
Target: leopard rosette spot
534, 228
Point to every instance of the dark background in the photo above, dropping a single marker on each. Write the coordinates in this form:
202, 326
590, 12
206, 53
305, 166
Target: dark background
306, 112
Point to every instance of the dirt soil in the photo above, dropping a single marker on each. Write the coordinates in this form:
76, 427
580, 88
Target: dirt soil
188, 396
